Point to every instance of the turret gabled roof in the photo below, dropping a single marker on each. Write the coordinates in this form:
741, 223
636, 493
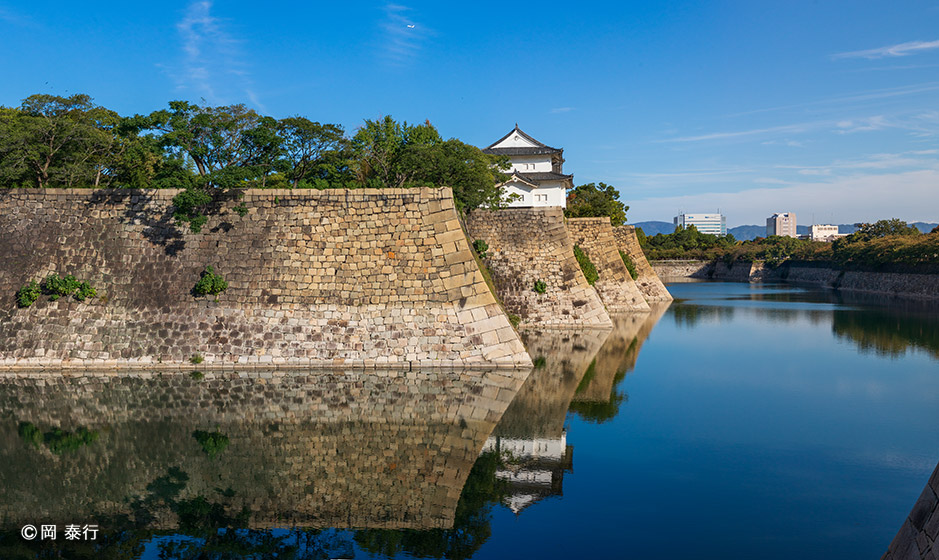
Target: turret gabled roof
500, 147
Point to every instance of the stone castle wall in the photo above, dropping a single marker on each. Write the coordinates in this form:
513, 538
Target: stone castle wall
683, 269
316, 278
531, 244
331, 448
615, 285
917, 537
648, 281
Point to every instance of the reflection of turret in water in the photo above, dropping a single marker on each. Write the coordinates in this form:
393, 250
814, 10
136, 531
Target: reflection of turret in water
323, 449
596, 398
530, 439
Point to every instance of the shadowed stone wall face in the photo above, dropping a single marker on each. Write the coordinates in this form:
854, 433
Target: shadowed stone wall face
920, 530
648, 281
615, 285
316, 278
531, 244
383, 449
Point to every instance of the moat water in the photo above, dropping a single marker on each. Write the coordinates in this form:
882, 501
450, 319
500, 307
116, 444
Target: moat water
741, 421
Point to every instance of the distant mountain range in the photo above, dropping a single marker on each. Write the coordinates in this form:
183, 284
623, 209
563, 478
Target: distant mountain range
743, 233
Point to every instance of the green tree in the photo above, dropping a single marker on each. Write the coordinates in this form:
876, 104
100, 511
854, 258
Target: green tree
308, 147
592, 200
389, 154
882, 228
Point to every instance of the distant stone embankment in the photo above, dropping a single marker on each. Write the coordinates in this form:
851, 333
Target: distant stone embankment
315, 278
909, 281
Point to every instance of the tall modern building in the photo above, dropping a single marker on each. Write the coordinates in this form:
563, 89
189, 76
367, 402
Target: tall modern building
782, 224
714, 224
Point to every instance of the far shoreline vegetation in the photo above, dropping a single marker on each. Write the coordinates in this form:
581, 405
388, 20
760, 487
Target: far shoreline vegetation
872, 246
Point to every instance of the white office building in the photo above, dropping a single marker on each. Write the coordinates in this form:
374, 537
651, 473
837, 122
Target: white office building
827, 233
713, 224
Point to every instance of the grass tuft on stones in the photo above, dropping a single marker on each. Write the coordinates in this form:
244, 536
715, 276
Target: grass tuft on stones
196, 359
590, 271
540, 287
210, 283
630, 265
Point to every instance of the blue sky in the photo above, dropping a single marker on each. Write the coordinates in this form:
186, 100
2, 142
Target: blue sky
828, 109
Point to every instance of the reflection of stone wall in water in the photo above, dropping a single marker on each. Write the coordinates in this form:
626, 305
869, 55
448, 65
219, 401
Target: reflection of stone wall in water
615, 285
324, 278
562, 358
920, 530
531, 244
648, 281
619, 354
329, 449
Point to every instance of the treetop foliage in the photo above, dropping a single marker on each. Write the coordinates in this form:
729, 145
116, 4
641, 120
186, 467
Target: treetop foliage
53, 141
592, 201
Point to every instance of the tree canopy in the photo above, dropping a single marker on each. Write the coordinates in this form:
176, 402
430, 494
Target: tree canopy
592, 200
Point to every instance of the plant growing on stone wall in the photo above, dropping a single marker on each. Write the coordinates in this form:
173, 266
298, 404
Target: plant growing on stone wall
28, 294
57, 286
540, 286
210, 283
212, 443
514, 319
84, 291
539, 362
590, 271
480, 247
196, 359
630, 265
241, 209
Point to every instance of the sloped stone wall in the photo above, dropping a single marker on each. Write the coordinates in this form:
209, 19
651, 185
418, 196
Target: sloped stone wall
331, 448
316, 278
531, 244
648, 281
615, 285
917, 537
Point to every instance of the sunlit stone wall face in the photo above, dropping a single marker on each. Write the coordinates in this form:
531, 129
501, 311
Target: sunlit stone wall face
648, 281
385, 449
531, 244
321, 278
615, 285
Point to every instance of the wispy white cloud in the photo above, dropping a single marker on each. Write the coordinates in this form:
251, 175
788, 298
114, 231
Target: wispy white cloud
403, 37
212, 65
789, 128
844, 101
902, 49
558, 110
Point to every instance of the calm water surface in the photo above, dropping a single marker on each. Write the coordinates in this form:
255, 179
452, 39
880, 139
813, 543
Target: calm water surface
742, 421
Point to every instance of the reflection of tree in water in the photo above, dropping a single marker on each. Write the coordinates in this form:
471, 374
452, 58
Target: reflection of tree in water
471, 527
689, 315
598, 398
887, 332
210, 528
